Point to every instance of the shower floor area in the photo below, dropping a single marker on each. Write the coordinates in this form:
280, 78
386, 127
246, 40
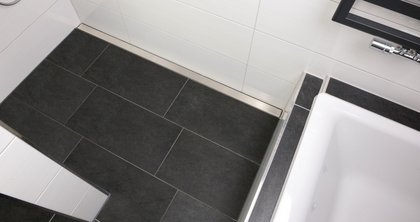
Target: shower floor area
166, 148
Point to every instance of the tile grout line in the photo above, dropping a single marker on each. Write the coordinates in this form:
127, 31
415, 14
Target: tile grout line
71, 72
52, 218
73, 149
169, 205
96, 59
250, 47
176, 97
169, 151
225, 148
207, 205
81, 104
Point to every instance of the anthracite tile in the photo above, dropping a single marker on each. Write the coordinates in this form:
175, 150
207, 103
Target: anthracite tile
209, 173
136, 79
224, 120
135, 195
62, 218
125, 129
46, 135
374, 103
186, 209
13, 210
279, 168
77, 51
53, 91
310, 88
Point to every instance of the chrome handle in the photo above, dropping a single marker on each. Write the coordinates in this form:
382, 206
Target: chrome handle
396, 50
9, 3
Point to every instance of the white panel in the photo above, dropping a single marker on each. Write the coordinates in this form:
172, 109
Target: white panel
194, 25
211, 64
267, 88
64, 193
29, 49
25, 172
15, 19
243, 12
305, 23
5, 138
102, 17
91, 204
278, 58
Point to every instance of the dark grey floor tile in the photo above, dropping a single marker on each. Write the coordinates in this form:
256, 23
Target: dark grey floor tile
186, 209
125, 129
61, 218
374, 103
136, 79
77, 51
310, 88
135, 195
209, 172
46, 135
13, 210
224, 120
53, 91
279, 168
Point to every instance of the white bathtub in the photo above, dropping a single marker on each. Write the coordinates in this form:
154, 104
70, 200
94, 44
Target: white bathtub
352, 165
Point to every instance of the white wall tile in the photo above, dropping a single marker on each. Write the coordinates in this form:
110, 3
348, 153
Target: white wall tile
33, 45
267, 87
243, 12
323, 66
91, 204
25, 172
64, 193
5, 138
189, 23
305, 23
14, 20
352, 48
211, 64
278, 57
102, 17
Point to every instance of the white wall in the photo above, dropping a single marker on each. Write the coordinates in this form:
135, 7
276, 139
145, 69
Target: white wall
29, 31
259, 47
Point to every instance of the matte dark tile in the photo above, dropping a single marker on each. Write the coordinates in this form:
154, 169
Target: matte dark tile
135, 195
209, 173
136, 79
310, 88
270, 192
53, 91
61, 218
224, 120
185, 209
46, 135
125, 129
77, 51
13, 210
374, 103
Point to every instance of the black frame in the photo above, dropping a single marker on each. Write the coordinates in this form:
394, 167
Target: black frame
343, 16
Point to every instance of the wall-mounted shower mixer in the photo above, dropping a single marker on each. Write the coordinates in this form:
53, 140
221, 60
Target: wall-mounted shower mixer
396, 49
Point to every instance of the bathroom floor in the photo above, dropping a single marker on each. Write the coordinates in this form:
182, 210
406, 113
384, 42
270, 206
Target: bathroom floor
165, 147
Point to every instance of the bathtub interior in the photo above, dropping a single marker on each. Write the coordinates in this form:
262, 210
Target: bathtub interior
352, 165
